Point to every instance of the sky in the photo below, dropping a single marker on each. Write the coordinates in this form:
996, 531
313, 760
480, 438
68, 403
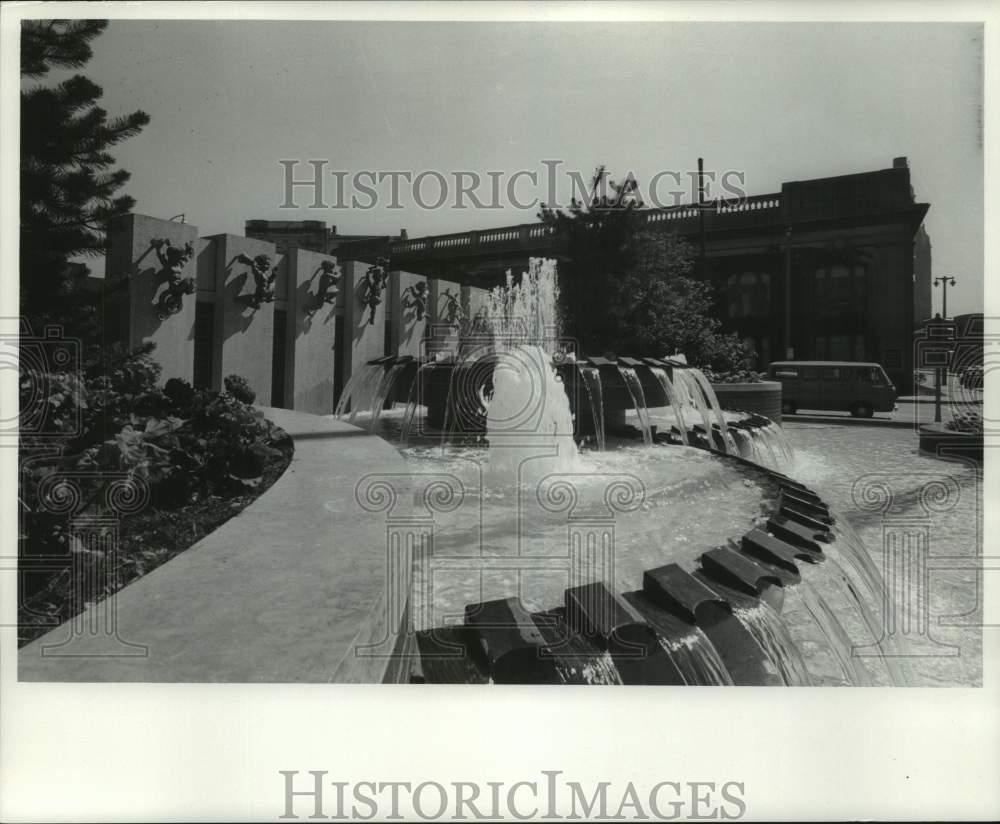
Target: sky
777, 102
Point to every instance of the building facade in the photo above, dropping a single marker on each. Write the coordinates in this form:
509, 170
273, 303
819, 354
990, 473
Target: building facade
835, 268
830, 269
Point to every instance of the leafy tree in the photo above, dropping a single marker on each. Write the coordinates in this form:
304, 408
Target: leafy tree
630, 291
69, 186
598, 234
663, 310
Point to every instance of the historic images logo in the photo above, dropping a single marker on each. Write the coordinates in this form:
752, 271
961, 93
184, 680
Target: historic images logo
316, 186
547, 797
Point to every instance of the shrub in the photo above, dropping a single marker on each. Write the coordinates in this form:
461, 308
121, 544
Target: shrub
966, 422
238, 387
733, 376
184, 443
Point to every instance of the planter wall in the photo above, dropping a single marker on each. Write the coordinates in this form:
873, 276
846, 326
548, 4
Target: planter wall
764, 398
940, 442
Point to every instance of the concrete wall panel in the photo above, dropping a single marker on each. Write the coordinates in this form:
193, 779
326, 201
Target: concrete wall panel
364, 337
243, 333
409, 312
312, 327
131, 256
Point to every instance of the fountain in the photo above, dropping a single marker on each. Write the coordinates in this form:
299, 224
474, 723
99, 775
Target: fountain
689, 559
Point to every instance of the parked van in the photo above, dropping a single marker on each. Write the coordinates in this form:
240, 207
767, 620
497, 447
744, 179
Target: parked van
859, 388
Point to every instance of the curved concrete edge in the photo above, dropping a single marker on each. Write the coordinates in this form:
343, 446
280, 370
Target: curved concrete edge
844, 420
277, 594
940, 442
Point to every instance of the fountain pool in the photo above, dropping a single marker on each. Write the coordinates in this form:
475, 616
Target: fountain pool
646, 560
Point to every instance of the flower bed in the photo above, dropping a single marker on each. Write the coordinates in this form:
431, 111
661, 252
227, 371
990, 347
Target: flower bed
186, 459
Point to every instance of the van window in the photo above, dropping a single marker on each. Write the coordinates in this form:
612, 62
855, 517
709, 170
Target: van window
810, 373
874, 375
832, 373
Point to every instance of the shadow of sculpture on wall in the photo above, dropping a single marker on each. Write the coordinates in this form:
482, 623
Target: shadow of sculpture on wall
263, 274
450, 309
413, 300
327, 279
235, 285
171, 285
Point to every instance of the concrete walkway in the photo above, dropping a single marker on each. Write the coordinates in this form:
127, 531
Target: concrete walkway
276, 594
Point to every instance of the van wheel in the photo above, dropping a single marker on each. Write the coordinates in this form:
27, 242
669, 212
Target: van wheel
862, 410
787, 408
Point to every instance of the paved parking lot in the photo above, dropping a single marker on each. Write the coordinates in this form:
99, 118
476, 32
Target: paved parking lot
910, 410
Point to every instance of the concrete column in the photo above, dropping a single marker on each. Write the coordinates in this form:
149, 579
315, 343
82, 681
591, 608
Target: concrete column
409, 312
137, 280
312, 325
364, 336
443, 335
244, 333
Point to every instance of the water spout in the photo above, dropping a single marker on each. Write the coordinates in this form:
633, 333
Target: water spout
528, 417
698, 660
634, 387
411, 403
674, 401
595, 394
716, 409
771, 634
384, 390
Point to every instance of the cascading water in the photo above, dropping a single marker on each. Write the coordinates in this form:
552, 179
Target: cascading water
697, 400
698, 660
769, 631
764, 437
382, 392
849, 548
528, 416
834, 633
834, 581
634, 387
411, 403
595, 395
675, 402
354, 384
361, 399
716, 409
775, 443
745, 443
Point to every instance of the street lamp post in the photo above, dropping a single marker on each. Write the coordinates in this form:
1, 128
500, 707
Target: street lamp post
944, 281
941, 372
